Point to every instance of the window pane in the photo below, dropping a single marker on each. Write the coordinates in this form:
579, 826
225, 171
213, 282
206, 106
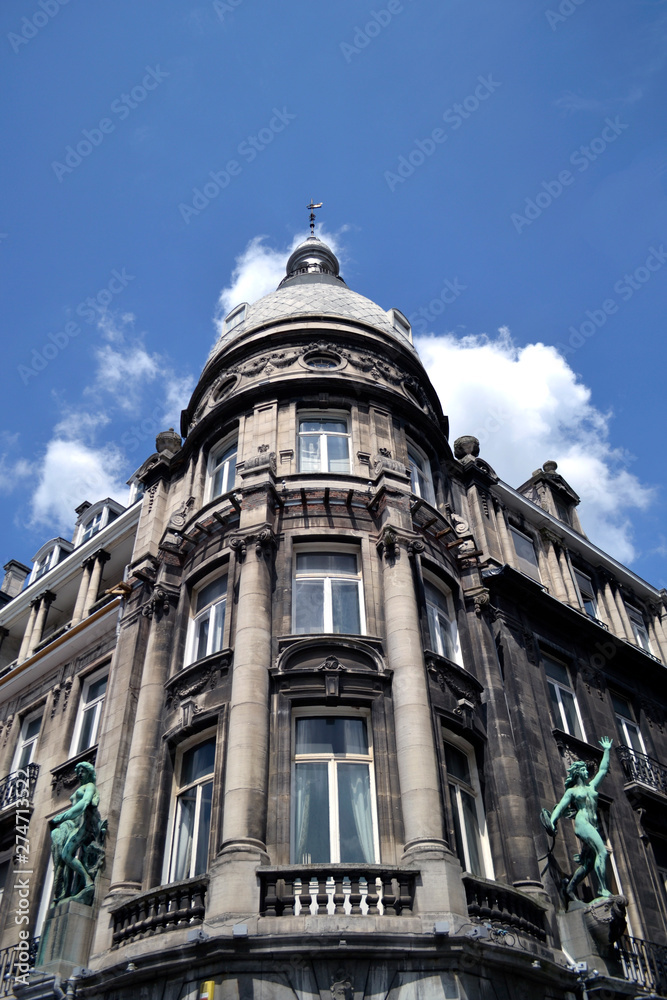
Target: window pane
458, 831
311, 814
201, 859
201, 638
557, 671
525, 554
436, 597
354, 813
309, 453
88, 727
345, 607
570, 712
32, 728
218, 618
26, 756
96, 689
185, 822
555, 706
471, 825
309, 606
324, 426
457, 763
211, 592
331, 734
4, 872
198, 762
326, 563
338, 453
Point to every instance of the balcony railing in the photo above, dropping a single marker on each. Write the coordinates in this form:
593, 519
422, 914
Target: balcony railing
180, 905
18, 785
360, 890
643, 769
644, 963
493, 901
10, 960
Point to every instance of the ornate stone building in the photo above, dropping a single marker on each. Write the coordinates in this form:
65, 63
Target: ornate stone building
328, 673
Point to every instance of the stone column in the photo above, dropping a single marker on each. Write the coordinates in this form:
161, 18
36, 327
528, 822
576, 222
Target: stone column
45, 601
417, 762
548, 540
83, 592
623, 615
137, 805
233, 880
25, 643
506, 546
100, 558
607, 594
660, 632
244, 825
568, 580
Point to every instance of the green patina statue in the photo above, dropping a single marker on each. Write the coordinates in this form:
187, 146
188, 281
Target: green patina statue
77, 841
580, 803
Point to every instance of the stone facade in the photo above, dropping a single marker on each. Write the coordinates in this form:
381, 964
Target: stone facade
346, 667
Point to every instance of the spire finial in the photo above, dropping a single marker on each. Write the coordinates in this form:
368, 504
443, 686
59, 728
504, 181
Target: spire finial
312, 208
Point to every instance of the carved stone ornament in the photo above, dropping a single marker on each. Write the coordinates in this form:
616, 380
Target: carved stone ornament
453, 679
8, 728
265, 459
179, 517
381, 462
342, 986
390, 540
264, 541
159, 603
593, 679
573, 750
331, 663
193, 680
481, 600
653, 714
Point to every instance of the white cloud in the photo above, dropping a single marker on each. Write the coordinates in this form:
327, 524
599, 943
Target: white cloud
70, 473
526, 405
259, 270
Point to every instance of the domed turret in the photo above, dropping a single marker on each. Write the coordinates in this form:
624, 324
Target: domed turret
312, 260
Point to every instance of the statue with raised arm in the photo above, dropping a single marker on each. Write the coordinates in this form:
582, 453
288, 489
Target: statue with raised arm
77, 841
580, 803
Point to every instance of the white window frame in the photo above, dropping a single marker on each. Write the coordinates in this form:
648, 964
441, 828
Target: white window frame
24, 742
587, 591
522, 562
340, 416
558, 687
98, 703
420, 467
210, 612
475, 791
432, 611
177, 790
326, 549
236, 316
100, 519
639, 628
624, 721
314, 712
215, 462
47, 562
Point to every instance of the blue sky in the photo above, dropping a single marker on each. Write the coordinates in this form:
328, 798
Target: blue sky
484, 167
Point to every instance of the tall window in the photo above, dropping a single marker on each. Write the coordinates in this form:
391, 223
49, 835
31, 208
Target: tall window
420, 474
188, 855
333, 797
222, 469
441, 627
90, 711
586, 593
327, 594
27, 744
208, 624
564, 705
628, 730
639, 628
467, 812
525, 554
324, 444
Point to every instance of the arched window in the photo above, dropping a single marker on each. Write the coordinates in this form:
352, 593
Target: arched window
421, 478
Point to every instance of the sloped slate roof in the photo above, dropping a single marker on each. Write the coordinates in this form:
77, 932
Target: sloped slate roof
317, 299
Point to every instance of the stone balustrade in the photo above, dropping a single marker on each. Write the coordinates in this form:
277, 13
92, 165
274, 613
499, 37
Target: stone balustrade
181, 904
494, 901
352, 890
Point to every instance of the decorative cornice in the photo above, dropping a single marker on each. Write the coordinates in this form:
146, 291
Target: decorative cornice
450, 676
193, 679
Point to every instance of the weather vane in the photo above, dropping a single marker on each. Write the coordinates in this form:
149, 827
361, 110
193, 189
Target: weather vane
312, 208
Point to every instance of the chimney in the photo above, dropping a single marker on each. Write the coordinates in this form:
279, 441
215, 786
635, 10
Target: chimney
15, 577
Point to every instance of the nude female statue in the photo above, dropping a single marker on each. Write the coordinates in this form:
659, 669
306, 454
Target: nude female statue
580, 801
77, 835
